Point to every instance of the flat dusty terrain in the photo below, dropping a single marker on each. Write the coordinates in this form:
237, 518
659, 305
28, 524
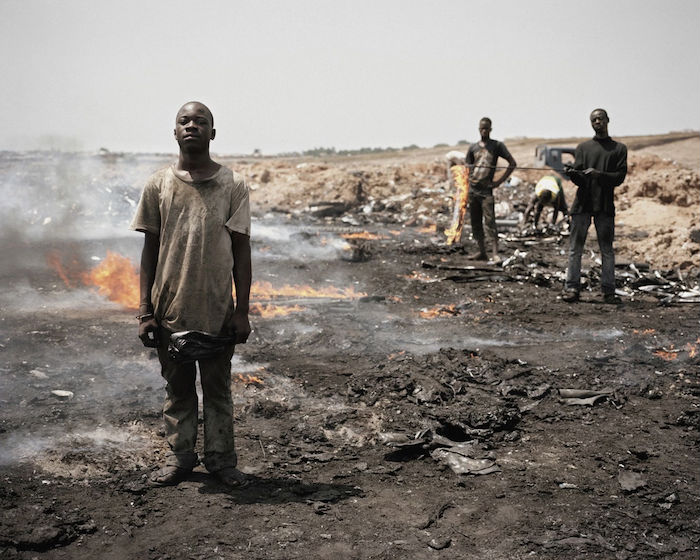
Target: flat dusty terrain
391, 403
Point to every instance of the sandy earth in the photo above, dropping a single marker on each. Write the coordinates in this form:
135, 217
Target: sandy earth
425, 415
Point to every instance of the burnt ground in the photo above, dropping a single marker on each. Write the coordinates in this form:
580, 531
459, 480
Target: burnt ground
351, 414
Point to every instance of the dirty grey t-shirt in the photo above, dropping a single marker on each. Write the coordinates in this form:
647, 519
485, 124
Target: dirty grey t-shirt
193, 283
482, 159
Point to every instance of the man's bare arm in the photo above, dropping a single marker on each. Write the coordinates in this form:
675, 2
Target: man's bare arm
530, 208
242, 279
511, 167
147, 275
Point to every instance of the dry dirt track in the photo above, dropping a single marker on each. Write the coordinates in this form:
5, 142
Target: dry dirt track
349, 410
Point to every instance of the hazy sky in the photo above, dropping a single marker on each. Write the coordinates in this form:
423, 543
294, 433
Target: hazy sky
292, 75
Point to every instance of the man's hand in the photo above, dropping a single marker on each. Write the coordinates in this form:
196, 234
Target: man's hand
591, 171
569, 170
241, 327
148, 332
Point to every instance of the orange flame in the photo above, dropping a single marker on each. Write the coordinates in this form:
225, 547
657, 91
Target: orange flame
669, 354
269, 310
54, 261
428, 229
645, 331
116, 278
439, 311
248, 379
420, 277
265, 290
363, 235
461, 179
692, 349
395, 355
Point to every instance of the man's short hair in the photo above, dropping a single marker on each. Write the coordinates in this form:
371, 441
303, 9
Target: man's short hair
601, 111
545, 196
211, 115
485, 120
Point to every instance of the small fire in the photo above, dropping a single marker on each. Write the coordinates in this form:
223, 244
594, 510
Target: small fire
415, 275
363, 235
692, 350
668, 354
269, 310
395, 355
645, 331
117, 279
428, 229
461, 178
70, 275
265, 290
248, 379
439, 311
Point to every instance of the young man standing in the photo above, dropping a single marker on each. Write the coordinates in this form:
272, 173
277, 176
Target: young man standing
600, 165
196, 219
481, 160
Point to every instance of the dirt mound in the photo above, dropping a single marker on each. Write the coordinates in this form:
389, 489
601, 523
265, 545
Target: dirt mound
658, 211
659, 179
330, 189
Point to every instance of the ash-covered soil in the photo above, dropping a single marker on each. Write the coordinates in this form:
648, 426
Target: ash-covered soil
427, 407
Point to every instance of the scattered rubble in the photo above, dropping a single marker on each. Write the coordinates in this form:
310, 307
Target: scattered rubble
444, 407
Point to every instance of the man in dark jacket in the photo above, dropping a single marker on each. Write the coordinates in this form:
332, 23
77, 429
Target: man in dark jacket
600, 165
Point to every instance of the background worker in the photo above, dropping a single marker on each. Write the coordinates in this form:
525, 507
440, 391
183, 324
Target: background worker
196, 219
481, 160
548, 192
600, 165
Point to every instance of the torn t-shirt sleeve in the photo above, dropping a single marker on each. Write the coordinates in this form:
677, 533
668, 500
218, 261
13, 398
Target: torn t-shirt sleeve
147, 217
239, 220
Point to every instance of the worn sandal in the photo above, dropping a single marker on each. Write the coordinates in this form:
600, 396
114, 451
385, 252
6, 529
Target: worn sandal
169, 475
232, 477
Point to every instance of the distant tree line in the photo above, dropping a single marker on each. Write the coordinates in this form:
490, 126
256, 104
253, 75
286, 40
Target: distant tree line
325, 152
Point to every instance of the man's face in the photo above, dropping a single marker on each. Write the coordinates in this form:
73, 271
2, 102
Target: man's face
194, 128
599, 122
484, 129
